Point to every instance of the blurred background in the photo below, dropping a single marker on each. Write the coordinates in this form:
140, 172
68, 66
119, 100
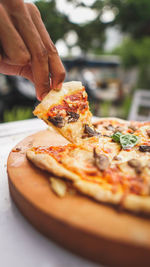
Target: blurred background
103, 43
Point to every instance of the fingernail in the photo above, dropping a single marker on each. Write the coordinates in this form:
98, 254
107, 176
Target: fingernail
58, 87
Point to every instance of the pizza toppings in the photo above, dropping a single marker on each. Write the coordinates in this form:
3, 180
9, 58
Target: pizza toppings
136, 164
89, 131
117, 158
57, 120
148, 132
144, 148
119, 129
109, 127
72, 116
132, 127
71, 105
116, 137
127, 141
101, 160
60, 121
16, 149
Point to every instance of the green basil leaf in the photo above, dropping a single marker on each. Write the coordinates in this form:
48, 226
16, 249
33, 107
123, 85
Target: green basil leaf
116, 137
128, 140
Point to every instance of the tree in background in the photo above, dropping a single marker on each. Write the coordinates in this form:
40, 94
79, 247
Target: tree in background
132, 17
91, 35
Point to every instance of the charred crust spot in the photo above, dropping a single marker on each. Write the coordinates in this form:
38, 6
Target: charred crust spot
57, 121
72, 116
101, 160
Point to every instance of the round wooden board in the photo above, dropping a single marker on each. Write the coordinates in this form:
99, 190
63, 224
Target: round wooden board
91, 229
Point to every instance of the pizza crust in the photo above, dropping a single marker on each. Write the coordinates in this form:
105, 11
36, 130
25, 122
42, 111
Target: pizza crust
130, 202
48, 163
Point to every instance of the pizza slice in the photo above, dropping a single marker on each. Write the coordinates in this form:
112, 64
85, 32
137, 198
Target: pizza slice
97, 174
67, 111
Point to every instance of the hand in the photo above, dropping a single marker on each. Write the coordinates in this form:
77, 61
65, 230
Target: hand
26, 48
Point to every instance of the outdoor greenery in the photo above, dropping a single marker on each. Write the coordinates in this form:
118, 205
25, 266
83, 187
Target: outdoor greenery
18, 113
135, 53
130, 17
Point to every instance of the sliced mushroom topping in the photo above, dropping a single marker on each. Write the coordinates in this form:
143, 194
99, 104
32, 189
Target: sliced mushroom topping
72, 116
117, 158
132, 127
58, 121
148, 132
101, 160
109, 127
89, 131
144, 148
136, 164
119, 129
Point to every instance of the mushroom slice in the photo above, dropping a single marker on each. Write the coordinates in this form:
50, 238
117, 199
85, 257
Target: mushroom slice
144, 148
136, 164
89, 131
57, 121
101, 160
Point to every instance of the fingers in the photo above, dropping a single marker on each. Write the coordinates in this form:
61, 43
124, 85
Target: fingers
56, 67
24, 71
39, 56
13, 46
31, 43
0, 54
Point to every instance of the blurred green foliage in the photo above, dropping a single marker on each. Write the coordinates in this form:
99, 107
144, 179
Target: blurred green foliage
125, 107
91, 35
131, 17
57, 24
136, 53
105, 109
18, 113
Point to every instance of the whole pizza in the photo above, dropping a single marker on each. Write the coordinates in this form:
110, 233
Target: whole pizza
108, 160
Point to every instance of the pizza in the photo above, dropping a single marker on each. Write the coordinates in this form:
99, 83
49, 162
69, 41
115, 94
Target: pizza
66, 110
108, 161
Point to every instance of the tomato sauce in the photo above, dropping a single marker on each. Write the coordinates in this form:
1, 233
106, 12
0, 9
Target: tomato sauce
72, 103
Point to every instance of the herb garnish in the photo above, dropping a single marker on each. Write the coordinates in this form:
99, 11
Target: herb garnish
126, 140
116, 137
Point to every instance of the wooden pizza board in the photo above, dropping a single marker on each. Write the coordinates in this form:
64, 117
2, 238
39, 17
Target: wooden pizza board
82, 225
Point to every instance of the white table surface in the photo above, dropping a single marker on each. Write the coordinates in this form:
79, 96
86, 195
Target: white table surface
20, 244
